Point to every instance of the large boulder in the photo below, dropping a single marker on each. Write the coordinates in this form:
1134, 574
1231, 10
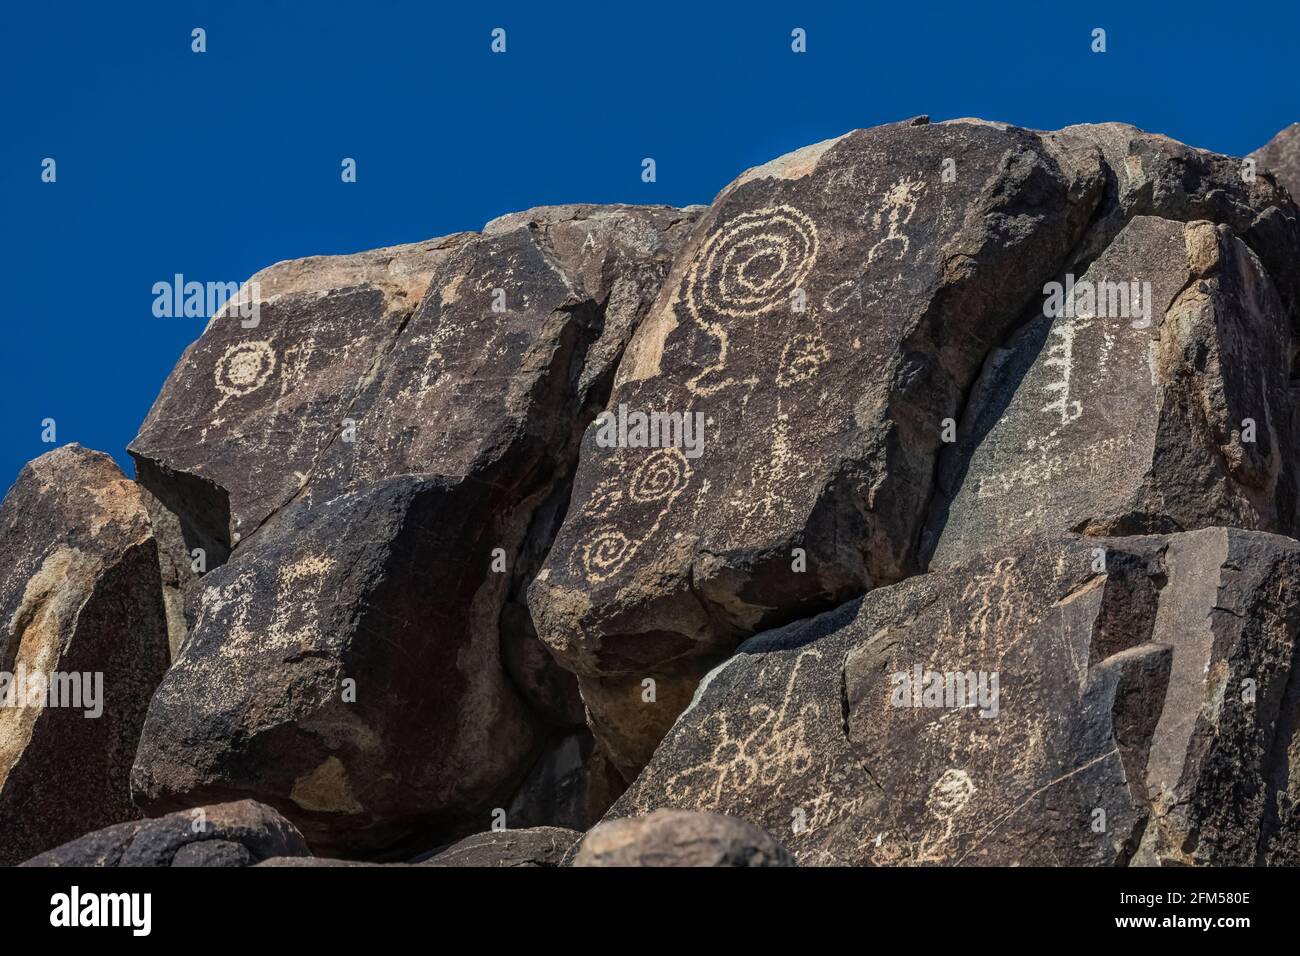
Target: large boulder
228, 834
1281, 157
822, 330
1158, 399
680, 838
532, 847
1067, 701
364, 661
83, 644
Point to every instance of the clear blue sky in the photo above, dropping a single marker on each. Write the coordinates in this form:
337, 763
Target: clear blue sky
218, 164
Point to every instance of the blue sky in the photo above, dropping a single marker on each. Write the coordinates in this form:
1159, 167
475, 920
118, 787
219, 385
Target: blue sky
215, 165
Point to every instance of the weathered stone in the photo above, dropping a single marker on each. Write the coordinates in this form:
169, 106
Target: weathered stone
1160, 401
572, 784
81, 610
680, 838
538, 846
913, 251
1139, 712
411, 586
1281, 157
333, 672
227, 834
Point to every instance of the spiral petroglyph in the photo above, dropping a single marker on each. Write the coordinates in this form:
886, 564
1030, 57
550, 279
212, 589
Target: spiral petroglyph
245, 367
751, 265
662, 475
605, 552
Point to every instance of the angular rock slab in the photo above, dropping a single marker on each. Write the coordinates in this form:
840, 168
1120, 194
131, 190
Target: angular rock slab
336, 672
242, 420
1281, 157
1123, 728
1120, 418
532, 847
820, 425
80, 594
242, 833
680, 838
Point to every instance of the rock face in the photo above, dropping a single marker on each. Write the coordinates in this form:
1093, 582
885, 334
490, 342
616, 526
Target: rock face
536, 847
83, 644
1120, 418
1281, 157
930, 498
680, 838
363, 661
822, 329
1026, 708
228, 834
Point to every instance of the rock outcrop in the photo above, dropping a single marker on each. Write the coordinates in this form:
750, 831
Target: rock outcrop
1281, 157
930, 498
83, 645
394, 460
1077, 701
823, 328
534, 847
1159, 400
680, 838
228, 834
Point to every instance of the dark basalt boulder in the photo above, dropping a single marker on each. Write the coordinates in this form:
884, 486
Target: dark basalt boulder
1120, 418
1075, 701
228, 834
680, 838
83, 644
364, 661
533, 847
825, 325
1281, 157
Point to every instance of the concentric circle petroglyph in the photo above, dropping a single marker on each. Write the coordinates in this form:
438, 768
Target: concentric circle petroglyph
605, 552
245, 367
662, 475
752, 264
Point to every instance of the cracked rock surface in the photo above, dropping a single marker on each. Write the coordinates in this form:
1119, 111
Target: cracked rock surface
930, 497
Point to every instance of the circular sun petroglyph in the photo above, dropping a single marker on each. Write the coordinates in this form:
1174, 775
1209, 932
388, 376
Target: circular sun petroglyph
752, 264
605, 552
245, 367
950, 793
662, 475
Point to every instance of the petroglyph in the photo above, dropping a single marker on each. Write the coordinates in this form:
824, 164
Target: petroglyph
1060, 356
746, 269
244, 368
899, 206
658, 479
